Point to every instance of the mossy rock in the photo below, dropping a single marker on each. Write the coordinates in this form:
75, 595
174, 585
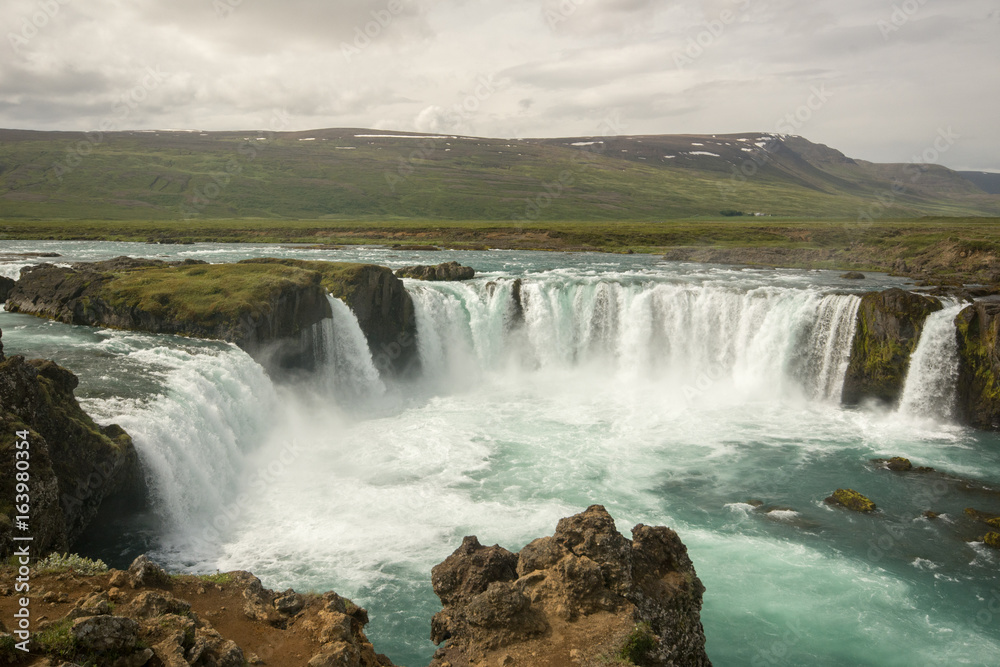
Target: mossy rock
852, 500
978, 400
992, 540
888, 329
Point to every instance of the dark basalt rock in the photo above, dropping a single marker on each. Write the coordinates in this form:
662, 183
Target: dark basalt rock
76, 465
853, 275
586, 581
446, 271
889, 326
6, 285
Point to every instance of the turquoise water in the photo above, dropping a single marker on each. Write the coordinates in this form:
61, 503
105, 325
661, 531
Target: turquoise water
672, 394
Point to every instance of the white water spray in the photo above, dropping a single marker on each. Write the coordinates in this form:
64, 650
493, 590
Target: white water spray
931, 379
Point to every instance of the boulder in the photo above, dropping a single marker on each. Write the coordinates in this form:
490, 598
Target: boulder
888, 329
104, 634
144, 573
579, 595
441, 272
978, 402
852, 500
853, 275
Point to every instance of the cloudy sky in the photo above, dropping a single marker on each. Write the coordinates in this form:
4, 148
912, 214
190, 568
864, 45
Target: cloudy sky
877, 79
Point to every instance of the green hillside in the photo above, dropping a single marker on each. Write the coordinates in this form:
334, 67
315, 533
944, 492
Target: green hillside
367, 174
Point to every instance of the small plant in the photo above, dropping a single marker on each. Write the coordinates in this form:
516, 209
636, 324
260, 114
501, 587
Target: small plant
57, 640
220, 578
57, 563
638, 645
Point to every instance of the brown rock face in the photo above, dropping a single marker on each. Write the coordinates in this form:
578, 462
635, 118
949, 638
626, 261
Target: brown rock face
572, 598
889, 326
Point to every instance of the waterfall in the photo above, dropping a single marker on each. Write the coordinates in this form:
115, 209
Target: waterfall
768, 338
216, 406
829, 347
930, 384
348, 371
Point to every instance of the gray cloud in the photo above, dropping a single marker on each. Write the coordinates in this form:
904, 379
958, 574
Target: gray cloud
557, 67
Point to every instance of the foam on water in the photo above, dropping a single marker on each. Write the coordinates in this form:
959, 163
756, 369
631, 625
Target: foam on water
670, 397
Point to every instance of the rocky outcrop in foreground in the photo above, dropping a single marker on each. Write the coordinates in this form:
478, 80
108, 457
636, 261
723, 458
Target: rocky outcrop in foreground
584, 596
446, 271
889, 326
978, 401
75, 465
145, 617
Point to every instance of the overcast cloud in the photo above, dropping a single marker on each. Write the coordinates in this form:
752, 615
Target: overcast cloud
876, 79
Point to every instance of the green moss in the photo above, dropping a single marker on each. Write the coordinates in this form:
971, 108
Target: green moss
638, 645
852, 500
337, 278
205, 294
992, 540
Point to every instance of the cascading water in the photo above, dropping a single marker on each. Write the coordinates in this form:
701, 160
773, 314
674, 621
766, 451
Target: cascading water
193, 437
761, 338
347, 369
929, 390
671, 394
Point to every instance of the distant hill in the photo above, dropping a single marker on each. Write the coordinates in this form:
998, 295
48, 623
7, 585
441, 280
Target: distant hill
358, 173
984, 180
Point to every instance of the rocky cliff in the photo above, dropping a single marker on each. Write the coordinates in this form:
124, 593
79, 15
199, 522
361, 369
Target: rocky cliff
265, 306
978, 328
75, 465
584, 596
380, 302
256, 307
889, 326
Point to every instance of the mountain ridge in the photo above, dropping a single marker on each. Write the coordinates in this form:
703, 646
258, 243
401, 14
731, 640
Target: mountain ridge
356, 172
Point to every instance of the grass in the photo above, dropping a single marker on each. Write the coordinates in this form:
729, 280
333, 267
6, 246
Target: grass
205, 293
168, 176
